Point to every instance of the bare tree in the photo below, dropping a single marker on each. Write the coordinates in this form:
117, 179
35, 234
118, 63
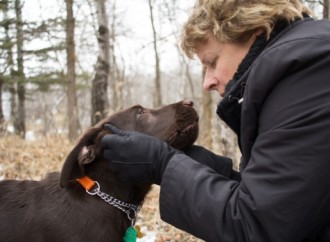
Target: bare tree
157, 92
117, 75
315, 5
6, 47
72, 111
2, 119
100, 81
206, 122
19, 119
326, 9
170, 8
114, 73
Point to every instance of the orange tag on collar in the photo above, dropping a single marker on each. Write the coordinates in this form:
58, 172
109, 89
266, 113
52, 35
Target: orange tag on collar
86, 182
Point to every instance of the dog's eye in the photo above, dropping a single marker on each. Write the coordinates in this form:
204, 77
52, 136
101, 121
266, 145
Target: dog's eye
140, 111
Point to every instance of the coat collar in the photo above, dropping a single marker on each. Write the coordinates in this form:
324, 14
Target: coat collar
229, 108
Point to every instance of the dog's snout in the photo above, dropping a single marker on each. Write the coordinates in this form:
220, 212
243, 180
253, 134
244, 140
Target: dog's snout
188, 103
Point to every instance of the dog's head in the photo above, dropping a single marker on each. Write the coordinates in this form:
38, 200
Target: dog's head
177, 124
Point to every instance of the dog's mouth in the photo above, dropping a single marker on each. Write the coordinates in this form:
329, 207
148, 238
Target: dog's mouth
191, 128
185, 134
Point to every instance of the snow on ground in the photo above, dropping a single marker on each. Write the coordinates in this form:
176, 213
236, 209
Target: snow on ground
148, 236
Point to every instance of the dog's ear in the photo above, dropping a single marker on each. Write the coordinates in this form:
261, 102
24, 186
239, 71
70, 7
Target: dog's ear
83, 153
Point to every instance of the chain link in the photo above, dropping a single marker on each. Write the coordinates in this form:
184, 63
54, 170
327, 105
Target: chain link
127, 208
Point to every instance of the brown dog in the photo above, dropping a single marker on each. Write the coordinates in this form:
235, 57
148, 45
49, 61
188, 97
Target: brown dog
43, 211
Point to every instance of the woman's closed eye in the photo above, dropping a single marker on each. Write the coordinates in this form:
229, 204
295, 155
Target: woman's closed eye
212, 63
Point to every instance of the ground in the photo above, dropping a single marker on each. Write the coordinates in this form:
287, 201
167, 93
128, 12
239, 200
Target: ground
20, 159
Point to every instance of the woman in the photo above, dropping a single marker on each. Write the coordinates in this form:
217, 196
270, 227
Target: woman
271, 63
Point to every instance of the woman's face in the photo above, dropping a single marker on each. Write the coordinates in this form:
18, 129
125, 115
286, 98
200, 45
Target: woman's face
221, 60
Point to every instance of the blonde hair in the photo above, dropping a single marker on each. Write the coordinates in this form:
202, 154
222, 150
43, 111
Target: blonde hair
235, 20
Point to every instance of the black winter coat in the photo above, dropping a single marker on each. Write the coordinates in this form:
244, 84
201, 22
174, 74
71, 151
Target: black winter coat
284, 191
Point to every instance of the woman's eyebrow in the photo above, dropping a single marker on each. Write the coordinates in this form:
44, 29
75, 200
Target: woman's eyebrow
206, 58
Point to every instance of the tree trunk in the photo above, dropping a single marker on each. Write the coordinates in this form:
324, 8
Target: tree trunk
9, 61
157, 92
2, 119
19, 120
326, 9
116, 77
206, 124
100, 81
186, 72
72, 110
171, 9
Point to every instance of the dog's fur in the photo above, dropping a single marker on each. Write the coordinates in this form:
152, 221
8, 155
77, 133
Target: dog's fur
43, 211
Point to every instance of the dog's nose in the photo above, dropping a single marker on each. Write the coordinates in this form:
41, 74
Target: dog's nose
188, 103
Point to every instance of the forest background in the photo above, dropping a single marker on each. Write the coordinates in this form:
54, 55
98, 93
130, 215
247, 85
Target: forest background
66, 64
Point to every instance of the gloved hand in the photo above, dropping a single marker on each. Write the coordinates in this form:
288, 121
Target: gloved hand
136, 157
220, 164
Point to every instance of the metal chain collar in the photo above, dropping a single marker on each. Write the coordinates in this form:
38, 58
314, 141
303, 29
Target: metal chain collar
130, 209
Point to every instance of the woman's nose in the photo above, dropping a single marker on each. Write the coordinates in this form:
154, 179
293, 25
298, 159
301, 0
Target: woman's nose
210, 83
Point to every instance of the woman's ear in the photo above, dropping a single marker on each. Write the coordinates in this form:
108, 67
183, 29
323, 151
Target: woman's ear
258, 32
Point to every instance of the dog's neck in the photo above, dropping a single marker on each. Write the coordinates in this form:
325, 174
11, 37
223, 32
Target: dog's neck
110, 184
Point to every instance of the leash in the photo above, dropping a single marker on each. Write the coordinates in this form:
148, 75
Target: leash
93, 188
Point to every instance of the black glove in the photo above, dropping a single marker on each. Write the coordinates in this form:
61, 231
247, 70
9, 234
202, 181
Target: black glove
219, 164
136, 157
